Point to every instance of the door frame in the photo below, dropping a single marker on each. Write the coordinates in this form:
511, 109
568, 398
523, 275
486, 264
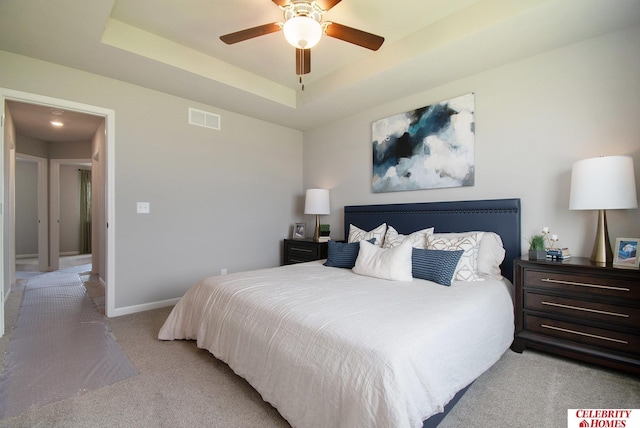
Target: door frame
6, 213
54, 207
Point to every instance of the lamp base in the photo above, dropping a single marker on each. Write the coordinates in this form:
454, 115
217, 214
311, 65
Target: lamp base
602, 253
316, 233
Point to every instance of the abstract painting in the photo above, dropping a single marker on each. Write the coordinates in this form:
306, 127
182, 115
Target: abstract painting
426, 148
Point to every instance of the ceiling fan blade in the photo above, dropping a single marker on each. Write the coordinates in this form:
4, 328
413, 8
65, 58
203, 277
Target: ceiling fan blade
250, 33
303, 61
327, 4
357, 37
281, 2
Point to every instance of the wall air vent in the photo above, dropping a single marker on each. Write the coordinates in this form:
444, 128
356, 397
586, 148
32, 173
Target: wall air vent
203, 118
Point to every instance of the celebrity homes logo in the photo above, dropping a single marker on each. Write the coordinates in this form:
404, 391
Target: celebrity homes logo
603, 418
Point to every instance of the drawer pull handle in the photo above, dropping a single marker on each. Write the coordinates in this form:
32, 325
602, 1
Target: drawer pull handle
579, 308
581, 284
581, 333
306, 250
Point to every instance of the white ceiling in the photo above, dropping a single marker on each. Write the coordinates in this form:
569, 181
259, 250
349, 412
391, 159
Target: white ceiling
173, 46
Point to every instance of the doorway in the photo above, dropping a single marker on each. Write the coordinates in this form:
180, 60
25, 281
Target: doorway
65, 226
103, 170
32, 218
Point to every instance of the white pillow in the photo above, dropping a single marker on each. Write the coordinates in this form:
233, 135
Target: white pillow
393, 263
467, 269
418, 239
490, 254
356, 234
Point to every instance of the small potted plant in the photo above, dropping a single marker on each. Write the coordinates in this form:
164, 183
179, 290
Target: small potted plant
325, 230
537, 249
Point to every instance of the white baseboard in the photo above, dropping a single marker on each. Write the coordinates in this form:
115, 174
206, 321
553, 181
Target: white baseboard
26, 256
144, 307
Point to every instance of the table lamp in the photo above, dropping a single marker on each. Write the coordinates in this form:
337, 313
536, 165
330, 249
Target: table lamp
317, 202
603, 183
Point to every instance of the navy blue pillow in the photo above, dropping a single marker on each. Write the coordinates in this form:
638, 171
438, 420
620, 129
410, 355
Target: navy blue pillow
343, 255
435, 265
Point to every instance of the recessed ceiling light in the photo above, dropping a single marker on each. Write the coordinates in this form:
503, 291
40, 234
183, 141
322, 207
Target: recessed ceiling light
56, 123
57, 112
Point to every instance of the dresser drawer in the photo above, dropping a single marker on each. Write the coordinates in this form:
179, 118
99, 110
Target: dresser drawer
298, 258
578, 309
299, 251
603, 338
583, 309
594, 285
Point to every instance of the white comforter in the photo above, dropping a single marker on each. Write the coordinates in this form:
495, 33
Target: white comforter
329, 348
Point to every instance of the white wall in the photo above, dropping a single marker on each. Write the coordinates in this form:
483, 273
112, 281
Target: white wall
534, 118
219, 199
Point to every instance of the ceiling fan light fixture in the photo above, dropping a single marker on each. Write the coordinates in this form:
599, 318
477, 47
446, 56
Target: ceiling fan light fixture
302, 32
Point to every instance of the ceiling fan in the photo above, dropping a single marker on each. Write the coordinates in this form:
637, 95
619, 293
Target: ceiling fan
303, 27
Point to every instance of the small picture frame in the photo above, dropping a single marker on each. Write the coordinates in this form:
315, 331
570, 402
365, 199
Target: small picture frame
299, 230
626, 253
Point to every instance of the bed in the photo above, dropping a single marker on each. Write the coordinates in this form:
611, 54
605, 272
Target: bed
328, 347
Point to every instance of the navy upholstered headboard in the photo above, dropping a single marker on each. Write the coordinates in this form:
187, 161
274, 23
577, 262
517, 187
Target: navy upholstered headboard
501, 216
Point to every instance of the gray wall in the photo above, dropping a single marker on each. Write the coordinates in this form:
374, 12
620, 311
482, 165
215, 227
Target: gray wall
69, 210
26, 208
8, 237
225, 199
26, 193
534, 118
219, 199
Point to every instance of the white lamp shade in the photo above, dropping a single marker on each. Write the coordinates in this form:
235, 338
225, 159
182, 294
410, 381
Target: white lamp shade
603, 183
317, 202
302, 32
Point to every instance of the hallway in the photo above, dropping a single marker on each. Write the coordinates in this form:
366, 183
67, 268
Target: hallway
30, 264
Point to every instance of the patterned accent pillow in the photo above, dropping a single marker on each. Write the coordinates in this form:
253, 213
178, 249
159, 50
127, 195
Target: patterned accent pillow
468, 265
343, 255
435, 265
393, 263
419, 239
356, 234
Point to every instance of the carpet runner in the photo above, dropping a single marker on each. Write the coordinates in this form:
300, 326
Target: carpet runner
60, 346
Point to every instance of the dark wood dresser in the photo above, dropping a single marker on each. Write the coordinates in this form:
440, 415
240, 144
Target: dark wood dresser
303, 250
578, 309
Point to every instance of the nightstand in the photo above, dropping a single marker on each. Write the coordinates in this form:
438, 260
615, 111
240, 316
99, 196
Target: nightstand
579, 310
303, 250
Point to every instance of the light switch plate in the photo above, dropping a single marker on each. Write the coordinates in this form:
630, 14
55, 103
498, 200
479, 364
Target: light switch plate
143, 208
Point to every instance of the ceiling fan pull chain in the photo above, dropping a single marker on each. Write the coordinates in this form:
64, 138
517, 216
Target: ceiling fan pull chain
300, 53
